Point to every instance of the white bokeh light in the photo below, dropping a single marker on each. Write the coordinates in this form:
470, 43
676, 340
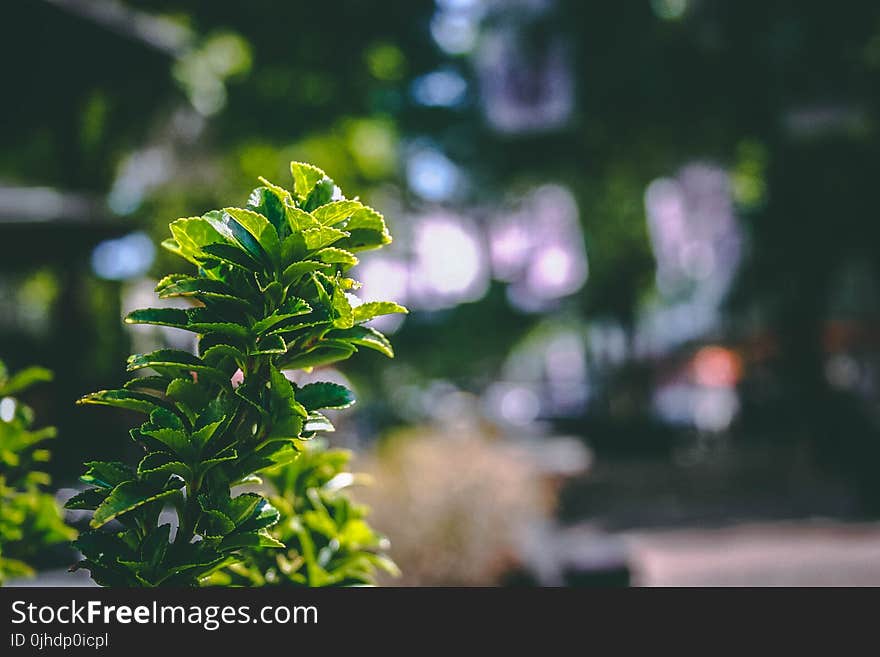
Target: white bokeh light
384, 279
538, 248
449, 262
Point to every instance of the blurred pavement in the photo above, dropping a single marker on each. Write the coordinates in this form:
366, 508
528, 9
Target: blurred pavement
813, 553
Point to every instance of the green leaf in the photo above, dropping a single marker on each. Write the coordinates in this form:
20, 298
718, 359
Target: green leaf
127, 399
175, 440
202, 436
173, 317
191, 235
283, 195
273, 454
234, 256
155, 545
231, 229
158, 463
269, 201
369, 310
334, 256
225, 457
24, 379
344, 317
300, 220
329, 351
305, 177
299, 269
269, 344
153, 382
126, 497
261, 229
321, 194
204, 289
89, 500
368, 231
165, 419
286, 412
337, 211
293, 308
263, 515
261, 539
106, 474
193, 319
317, 238
324, 395
273, 293
317, 422
364, 336
242, 507
214, 524
366, 218
187, 392
215, 355
176, 362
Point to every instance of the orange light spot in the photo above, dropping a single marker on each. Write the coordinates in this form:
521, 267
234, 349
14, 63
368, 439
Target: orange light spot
717, 367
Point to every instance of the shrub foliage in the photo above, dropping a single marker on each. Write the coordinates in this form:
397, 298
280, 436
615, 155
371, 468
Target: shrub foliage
269, 293
30, 520
328, 540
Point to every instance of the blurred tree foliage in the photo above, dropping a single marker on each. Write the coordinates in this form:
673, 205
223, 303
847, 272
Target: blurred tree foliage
31, 523
784, 94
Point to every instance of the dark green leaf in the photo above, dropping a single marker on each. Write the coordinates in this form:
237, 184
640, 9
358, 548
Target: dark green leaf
158, 463
157, 383
206, 289
227, 225
263, 515
329, 351
293, 308
261, 539
269, 202
185, 391
126, 497
260, 228
320, 195
177, 362
242, 507
106, 474
324, 395
270, 344
234, 256
127, 399
194, 319
175, 440
214, 524
90, 499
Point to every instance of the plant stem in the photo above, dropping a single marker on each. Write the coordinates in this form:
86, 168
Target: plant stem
186, 530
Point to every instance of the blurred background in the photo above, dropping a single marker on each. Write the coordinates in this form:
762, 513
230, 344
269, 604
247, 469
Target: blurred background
638, 240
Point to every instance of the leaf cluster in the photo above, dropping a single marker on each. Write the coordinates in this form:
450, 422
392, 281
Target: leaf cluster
30, 520
327, 537
270, 292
